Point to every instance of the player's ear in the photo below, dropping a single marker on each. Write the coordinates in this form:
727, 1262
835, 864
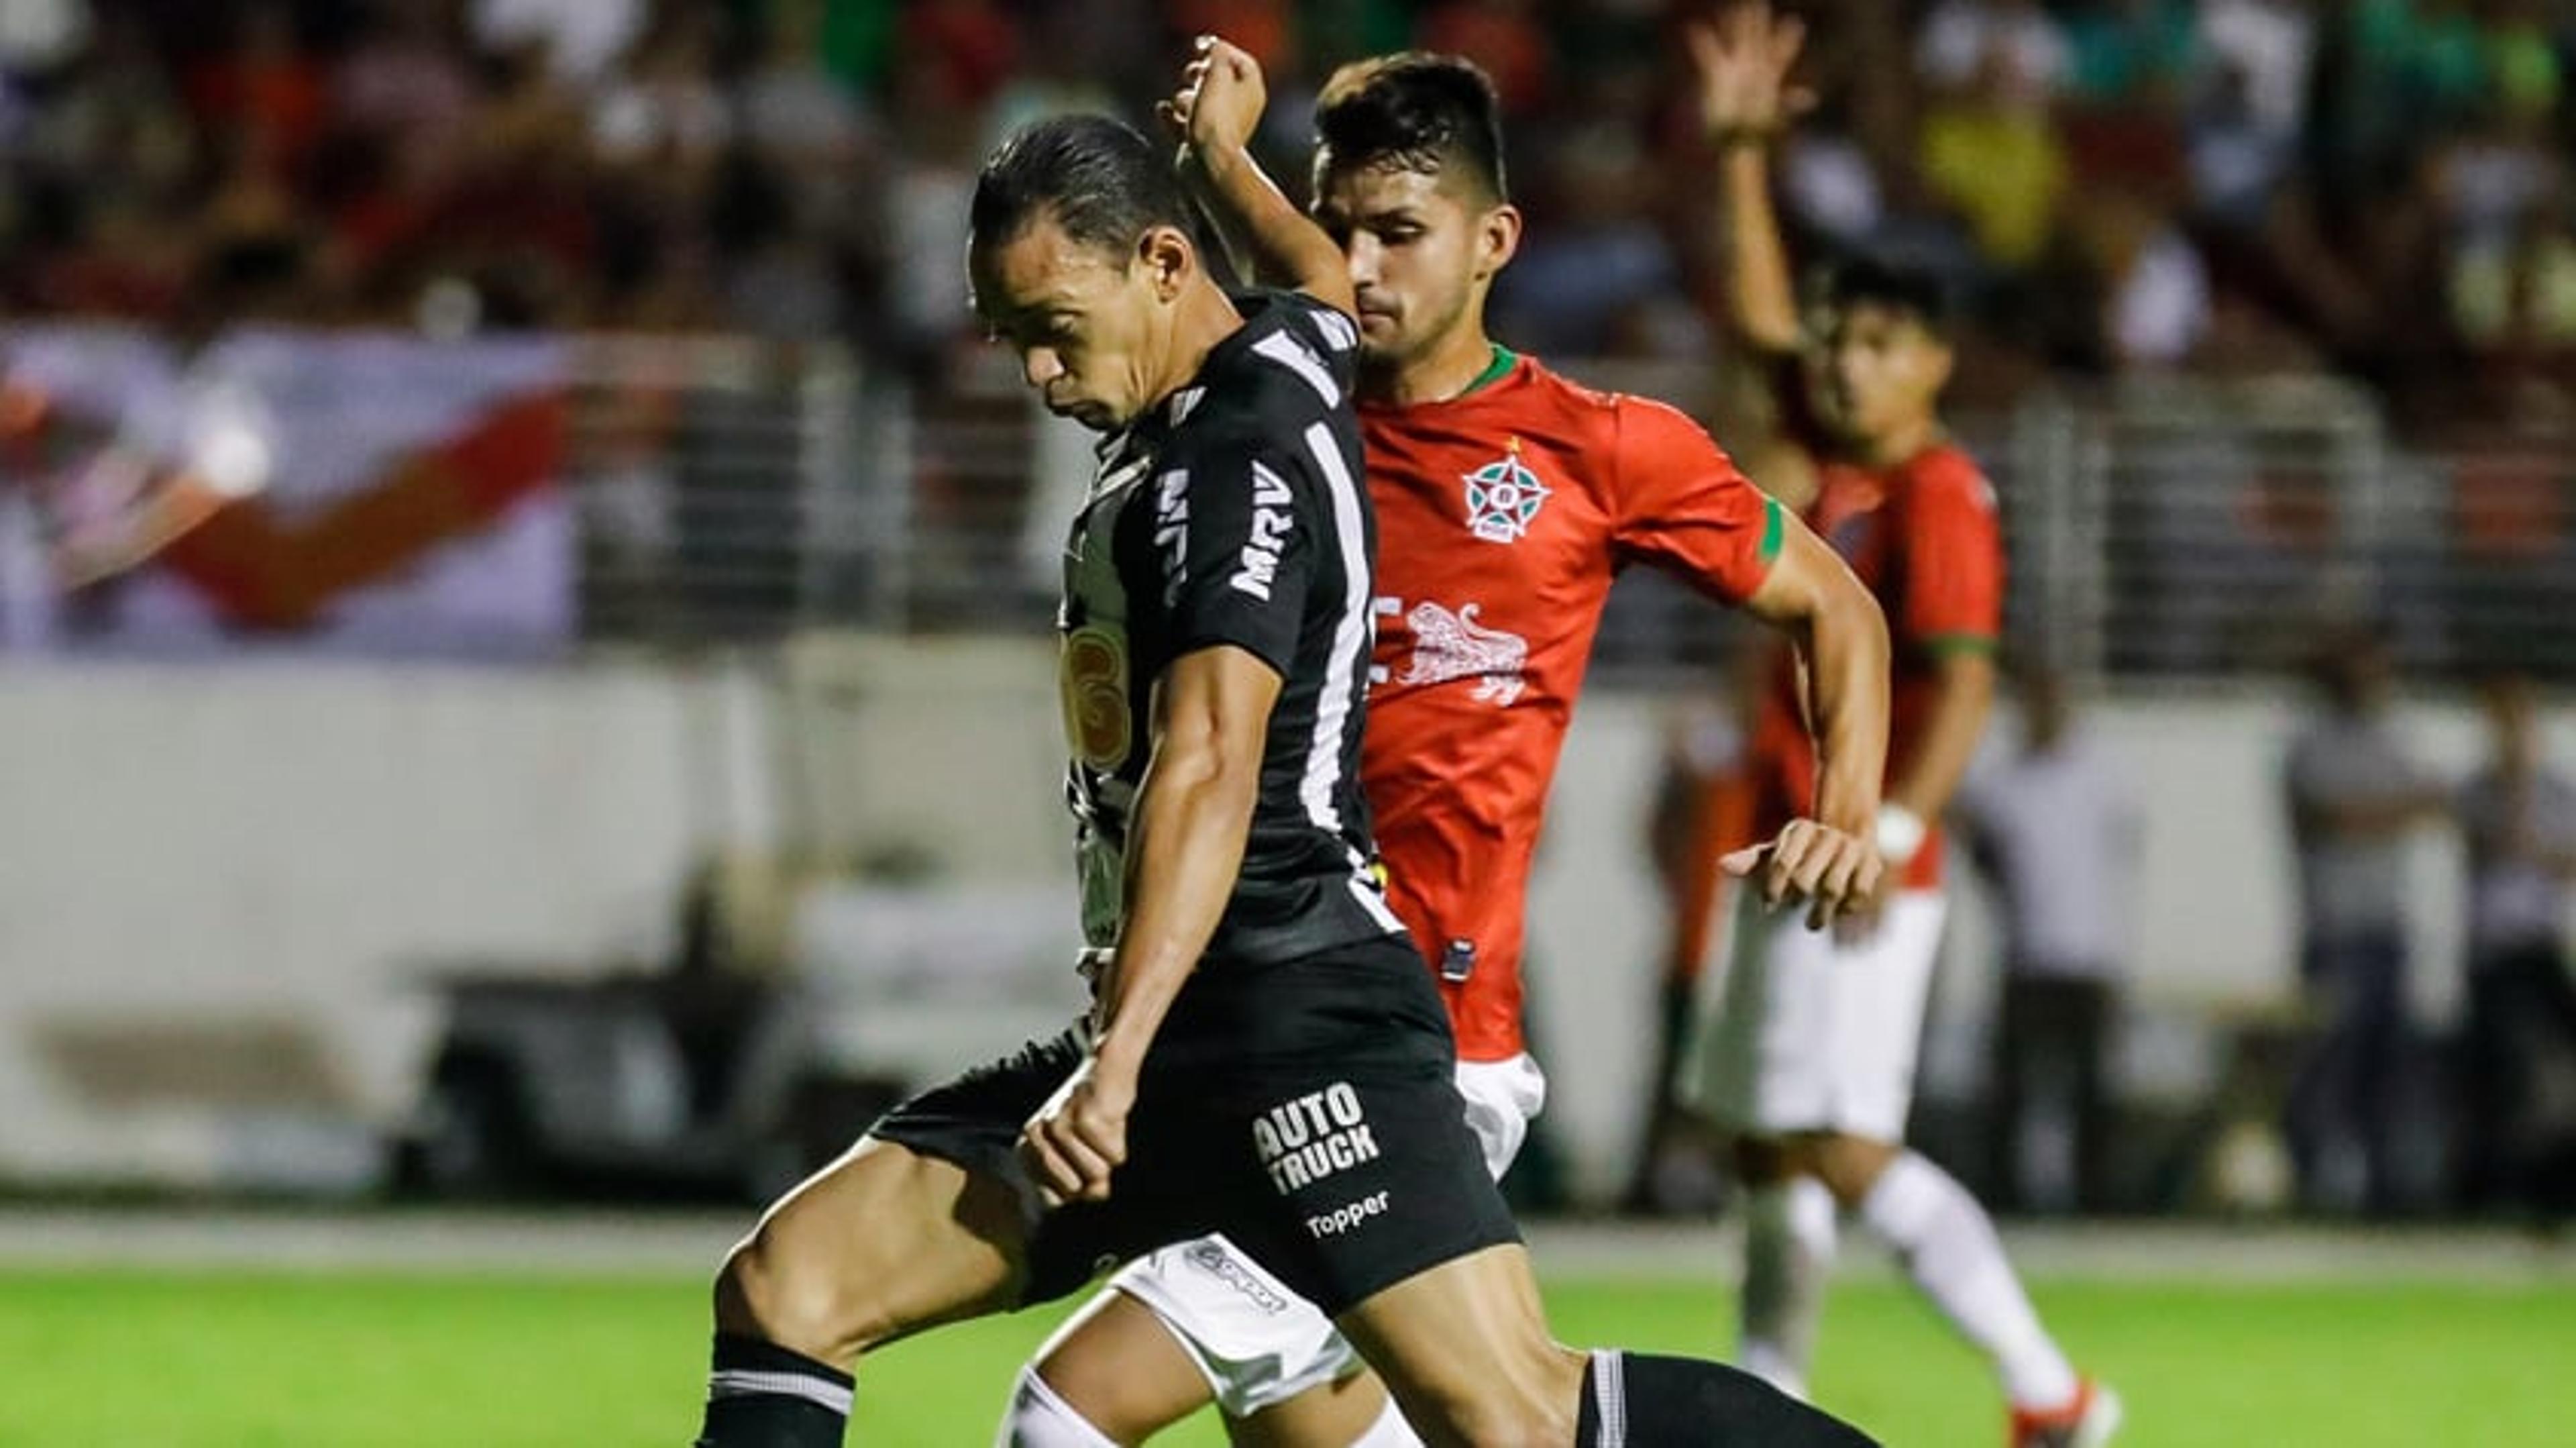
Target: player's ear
1498, 239
1168, 260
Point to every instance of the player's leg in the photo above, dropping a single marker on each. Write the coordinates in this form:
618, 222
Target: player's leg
1465, 1348
1792, 1232
1355, 1412
885, 1242
1203, 1317
1194, 1324
1769, 1080
929, 1219
1113, 1374
1945, 1240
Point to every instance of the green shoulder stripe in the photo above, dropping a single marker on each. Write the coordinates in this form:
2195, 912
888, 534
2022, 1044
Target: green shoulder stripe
1959, 643
1775, 528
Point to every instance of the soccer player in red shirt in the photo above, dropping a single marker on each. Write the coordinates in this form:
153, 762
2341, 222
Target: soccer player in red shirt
1507, 499
1812, 1055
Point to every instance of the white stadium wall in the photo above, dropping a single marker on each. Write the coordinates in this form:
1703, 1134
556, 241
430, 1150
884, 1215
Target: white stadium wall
291, 847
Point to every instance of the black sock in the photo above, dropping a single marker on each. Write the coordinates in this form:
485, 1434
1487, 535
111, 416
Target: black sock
763, 1396
1632, 1400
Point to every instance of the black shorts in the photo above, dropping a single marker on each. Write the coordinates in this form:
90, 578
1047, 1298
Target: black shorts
1307, 1109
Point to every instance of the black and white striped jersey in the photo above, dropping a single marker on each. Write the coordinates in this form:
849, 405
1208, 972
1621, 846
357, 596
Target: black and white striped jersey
1235, 513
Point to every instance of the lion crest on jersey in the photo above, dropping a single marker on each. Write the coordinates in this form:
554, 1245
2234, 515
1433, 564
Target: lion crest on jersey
1503, 498
1454, 646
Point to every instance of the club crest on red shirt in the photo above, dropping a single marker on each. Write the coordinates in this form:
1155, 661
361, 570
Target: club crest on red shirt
1503, 498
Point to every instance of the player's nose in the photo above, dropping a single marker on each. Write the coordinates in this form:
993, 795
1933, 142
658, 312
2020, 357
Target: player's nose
1041, 366
1362, 255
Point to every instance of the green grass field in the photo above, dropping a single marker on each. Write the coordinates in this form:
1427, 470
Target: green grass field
134, 1359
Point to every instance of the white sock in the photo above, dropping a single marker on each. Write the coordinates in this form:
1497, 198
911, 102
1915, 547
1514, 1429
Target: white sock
1039, 1417
1389, 1431
1789, 1238
1949, 1247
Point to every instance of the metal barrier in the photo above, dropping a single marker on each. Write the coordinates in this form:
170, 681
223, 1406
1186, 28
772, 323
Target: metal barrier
728, 491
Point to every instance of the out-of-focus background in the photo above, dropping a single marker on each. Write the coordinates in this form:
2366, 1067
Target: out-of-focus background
524, 601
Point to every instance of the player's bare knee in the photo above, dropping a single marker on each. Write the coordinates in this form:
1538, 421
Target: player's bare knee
772, 1290
1850, 1165
1762, 1161
1091, 1392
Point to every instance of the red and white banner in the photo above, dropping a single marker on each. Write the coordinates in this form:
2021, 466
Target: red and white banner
346, 492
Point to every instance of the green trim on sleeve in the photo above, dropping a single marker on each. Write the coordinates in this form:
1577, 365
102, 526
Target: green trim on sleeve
1775, 528
1959, 643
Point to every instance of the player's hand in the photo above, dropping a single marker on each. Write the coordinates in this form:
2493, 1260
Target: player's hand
1080, 1136
1218, 106
1741, 63
1828, 870
1859, 922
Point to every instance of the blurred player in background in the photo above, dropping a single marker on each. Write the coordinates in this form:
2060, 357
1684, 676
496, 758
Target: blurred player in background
2051, 828
1507, 499
2356, 795
1812, 1051
2518, 818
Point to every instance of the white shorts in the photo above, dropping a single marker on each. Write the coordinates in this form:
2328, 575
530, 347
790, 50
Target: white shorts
1814, 1035
1259, 1343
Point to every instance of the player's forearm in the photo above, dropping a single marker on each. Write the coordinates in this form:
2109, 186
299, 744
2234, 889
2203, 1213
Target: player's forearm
1761, 302
1845, 641
1278, 244
1193, 816
1949, 741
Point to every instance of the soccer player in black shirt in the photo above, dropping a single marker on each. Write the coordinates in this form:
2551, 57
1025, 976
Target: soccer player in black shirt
1265, 1056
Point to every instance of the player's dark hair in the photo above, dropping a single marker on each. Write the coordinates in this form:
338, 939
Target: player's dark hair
1895, 286
1436, 114
1103, 183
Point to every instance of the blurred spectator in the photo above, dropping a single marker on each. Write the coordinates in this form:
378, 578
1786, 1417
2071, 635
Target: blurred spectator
576, 40
1267, 29
665, 108
266, 90
37, 35
965, 49
2355, 795
405, 80
2149, 286
1503, 36
1969, 44
1600, 277
1994, 153
2131, 51
2518, 817
793, 107
2051, 827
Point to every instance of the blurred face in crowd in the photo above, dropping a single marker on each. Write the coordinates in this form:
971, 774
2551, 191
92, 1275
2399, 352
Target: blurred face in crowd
1093, 326
1875, 371
1423, 247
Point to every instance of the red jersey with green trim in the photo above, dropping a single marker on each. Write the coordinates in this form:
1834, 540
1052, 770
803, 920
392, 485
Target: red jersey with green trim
1503, 516
1924, 538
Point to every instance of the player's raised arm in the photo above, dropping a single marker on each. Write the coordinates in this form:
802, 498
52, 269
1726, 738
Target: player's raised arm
1742, 62
1215, 113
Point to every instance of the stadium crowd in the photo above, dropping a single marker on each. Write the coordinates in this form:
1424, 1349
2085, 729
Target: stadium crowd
2379, 186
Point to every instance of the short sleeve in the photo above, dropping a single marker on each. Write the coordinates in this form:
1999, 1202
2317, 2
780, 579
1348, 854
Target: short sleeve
1317, 333
1234, 536
1954, 562
1685, 507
